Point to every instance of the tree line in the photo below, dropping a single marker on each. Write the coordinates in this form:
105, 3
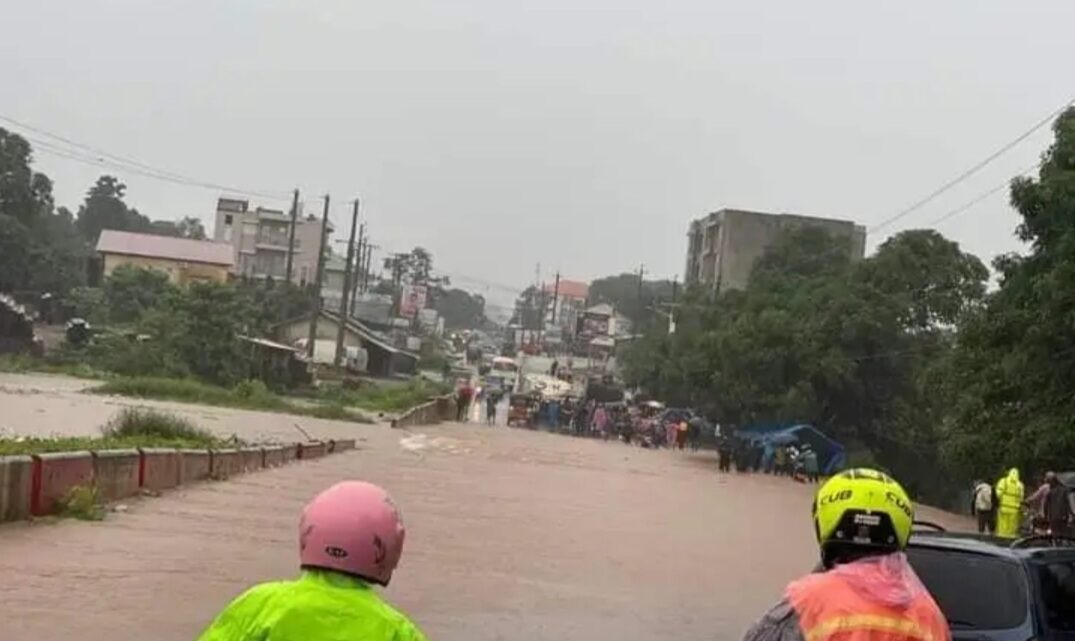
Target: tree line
905, 356
48, 248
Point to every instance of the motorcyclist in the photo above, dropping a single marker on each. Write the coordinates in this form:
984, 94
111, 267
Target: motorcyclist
867, 591
350, 539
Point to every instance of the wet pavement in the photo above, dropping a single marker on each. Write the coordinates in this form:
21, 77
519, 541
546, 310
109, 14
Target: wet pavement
511, 534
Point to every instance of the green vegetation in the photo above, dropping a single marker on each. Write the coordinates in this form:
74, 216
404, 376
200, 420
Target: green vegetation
82, 503
131, 427
390, 398
248, 394
22, 364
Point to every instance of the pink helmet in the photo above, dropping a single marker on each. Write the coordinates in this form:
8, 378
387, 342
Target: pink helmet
352, 527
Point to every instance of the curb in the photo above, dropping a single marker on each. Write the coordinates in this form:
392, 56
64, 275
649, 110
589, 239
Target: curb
34, 485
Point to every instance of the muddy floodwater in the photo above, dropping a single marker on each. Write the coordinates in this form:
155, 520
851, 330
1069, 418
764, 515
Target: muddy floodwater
511, 534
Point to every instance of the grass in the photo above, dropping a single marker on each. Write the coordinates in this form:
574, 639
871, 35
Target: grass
250, 395
23, 364
131, 427
81, 502
391, 398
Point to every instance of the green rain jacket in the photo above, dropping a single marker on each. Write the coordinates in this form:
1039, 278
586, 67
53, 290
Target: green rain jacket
319, 606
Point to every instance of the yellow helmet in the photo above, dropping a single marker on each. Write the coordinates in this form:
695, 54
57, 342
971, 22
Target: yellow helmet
862, 508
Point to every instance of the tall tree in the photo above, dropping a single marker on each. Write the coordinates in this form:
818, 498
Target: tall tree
104, 208
38, 249
1014, 366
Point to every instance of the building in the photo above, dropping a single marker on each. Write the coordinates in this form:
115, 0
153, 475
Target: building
568, 299
183, 259
723, 246
259, 240
384, 359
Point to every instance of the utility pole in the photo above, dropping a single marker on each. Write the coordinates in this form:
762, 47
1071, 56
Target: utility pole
345, 295
356, 272
555, 297
366, 269
315, 306
291, 235
675, 287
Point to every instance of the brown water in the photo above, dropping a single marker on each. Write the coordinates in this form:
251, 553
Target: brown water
512, 534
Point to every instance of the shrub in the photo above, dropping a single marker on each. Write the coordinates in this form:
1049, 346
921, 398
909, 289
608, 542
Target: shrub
146, 422
81, 502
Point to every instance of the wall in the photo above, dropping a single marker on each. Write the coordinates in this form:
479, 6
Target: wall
179, 273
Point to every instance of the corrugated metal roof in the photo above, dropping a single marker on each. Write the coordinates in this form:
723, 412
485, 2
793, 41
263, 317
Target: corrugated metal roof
569, 289
171, 248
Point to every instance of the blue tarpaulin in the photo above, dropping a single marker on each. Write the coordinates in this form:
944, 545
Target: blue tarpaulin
831, 455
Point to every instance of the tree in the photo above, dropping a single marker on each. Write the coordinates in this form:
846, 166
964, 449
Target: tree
104, 209
130, 291
859, 350
1013, 366
25, 194
459, 309
936, 281
622, 293
38, 250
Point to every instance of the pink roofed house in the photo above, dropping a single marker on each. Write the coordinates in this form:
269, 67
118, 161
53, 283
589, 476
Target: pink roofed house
182, 259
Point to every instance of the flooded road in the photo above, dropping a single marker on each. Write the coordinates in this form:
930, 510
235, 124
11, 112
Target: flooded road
45, 405
511, 534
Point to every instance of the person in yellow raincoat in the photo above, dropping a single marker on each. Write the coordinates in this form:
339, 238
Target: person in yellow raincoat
350, 538
1010, 496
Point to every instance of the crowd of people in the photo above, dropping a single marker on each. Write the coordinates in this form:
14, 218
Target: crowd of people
795, 460
1002, 508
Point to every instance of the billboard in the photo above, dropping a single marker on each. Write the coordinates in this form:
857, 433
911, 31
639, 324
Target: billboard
591, 325
412, 300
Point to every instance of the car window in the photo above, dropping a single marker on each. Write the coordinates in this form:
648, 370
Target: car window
1057, 581
974, 591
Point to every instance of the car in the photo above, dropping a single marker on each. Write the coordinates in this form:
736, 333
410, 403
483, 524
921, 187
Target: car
993, 589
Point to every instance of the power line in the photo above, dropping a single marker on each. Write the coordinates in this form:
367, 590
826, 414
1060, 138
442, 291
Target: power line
972, 170
980, 197
81, 152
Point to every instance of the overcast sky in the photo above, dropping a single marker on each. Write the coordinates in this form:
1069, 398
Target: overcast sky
583, 135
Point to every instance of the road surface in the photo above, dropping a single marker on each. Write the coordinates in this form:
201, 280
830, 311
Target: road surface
511, 534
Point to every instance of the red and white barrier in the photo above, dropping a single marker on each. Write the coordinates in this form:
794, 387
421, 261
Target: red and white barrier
16, 478
36, 485
116, 473
54, 476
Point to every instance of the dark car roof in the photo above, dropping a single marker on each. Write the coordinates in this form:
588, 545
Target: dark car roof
984, 544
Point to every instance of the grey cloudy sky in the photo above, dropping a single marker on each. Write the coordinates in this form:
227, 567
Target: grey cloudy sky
583, 134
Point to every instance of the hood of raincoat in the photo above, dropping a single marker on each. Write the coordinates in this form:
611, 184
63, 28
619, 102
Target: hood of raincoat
887, 579
1013, 474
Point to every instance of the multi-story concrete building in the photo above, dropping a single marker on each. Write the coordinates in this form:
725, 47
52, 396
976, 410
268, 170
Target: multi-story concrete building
723, 246
260, 240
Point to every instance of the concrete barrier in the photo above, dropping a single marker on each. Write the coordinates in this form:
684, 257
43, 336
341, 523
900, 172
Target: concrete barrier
194, 465
56, 474
251, 459
291, 452
273, 456
431, 412
159, 468
115, 473
224, 464
16, 480
311, 450
344, 444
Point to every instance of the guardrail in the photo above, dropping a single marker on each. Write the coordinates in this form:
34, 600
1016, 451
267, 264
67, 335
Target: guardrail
36, 485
